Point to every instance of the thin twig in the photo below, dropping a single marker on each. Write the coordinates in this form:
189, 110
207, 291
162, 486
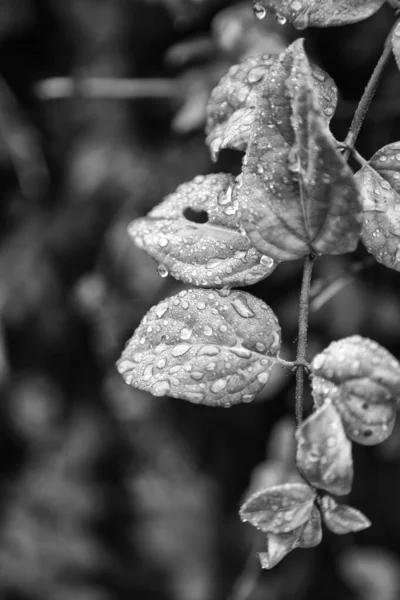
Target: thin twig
302, 336
107, 87
368, 95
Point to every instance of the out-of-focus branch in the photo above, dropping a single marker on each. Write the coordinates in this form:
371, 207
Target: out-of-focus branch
107, 87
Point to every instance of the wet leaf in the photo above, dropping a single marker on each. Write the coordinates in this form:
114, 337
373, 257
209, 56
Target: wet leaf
279, 509
363, 381
322, 13
213, 253
231, 111
396, 44
380, 191
278, 546
297, 192
342, 519
324, 452
311, 533
203, 346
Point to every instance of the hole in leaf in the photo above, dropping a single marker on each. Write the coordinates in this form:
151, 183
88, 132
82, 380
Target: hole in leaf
196, 216
368, 433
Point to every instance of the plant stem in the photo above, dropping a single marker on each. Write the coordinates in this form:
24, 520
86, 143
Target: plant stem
368, 95
302, 336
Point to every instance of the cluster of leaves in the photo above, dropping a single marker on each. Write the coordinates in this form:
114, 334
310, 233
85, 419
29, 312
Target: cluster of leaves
295, 197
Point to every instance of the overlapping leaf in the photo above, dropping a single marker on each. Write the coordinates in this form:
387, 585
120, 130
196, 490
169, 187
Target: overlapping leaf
380, 189
324, 452
209, 254
342, 519
363, 381
231, 111
279, 509
396, 44
322, 13
297, 192
203, 347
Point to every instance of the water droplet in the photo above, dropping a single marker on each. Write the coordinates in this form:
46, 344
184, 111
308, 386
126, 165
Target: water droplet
180, 349
197, 375
218, 385
196, 397
267, 261
160, 388
208, 330
185, 333
242, 308
260, 347
162, 271
259, 11
201, 305
163, 242
209, 350
263, 377
148, 373
281, 19
224, 292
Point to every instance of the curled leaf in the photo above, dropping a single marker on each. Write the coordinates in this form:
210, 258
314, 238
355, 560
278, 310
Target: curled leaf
298, 193
322, 13
204, 347
379, 184
363, 381
342, 519
213, 253
323, 451
231, 111
278, 546
279, 509
396, 44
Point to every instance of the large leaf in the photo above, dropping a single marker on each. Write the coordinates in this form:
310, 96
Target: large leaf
380, 190
210, 254
324, 452
279, 509
298, 194
342, 519
396, 44
231, 111
363, 381
203, 347
322, 13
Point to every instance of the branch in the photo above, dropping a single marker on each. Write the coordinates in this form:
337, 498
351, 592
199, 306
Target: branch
302, 337
368, 94
107, 87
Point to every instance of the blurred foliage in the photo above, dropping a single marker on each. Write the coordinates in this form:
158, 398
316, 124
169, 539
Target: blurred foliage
108, 492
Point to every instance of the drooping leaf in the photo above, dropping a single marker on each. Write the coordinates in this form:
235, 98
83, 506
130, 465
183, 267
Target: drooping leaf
322, 13
213, 253
311, 533
380, 191
297, 192
279, 509
323, 451
278, 546
231, 111
363, 381
396, 44
203, 346
342, 519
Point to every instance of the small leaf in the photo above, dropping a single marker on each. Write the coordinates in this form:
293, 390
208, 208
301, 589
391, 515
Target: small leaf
279, 509
231, 111
342, 519
311, 533
298, 194
322, 13
213, 253
278, 546
396, 44
363, 381
380, 191
204, 347
324, 452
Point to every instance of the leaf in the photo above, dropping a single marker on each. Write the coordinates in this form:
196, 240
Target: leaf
396, 44
342, 519
297, 192
278, 546
279, 509
363, 381
231, 111
204, 347
322, 13
380, 191
311, 534
209, 254
324, 452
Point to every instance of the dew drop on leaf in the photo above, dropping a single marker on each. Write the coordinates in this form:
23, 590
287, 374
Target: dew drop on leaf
259, 11
162, 271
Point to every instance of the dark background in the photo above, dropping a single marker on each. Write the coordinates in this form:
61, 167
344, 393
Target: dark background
106, 492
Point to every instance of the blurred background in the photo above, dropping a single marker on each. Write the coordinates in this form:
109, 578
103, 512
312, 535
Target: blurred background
108, 493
